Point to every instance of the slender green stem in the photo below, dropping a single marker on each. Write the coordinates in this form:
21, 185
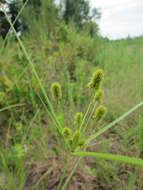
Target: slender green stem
64, 172
19, 13
42, 177
30, 125
71, 174
10, 107
85, 115
36, 75
89, 118
113, 157
104, 129
77, 162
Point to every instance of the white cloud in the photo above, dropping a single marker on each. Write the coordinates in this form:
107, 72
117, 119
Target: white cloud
120, 18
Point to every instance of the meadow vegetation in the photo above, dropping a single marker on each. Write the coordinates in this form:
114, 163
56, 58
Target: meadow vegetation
52, 131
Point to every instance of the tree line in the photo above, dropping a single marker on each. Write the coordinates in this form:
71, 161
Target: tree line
78, 12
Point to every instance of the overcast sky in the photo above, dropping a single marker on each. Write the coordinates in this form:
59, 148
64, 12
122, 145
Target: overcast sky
120, 18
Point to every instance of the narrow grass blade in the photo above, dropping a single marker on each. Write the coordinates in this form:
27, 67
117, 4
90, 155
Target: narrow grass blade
112, 157
64, 173
71, 174
42, 178
104, 129
17, 17
97, 134
89, 118
58, 125
10, 107
85, 115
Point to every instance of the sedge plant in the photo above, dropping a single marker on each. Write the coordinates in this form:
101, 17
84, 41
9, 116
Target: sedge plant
77, 140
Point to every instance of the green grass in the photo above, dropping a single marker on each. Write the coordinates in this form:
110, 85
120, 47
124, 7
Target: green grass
33, 155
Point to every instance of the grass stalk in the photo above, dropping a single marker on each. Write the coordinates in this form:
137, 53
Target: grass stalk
71, 174
85, 115
11, 107
17, 17
112, 157
89, 118
58, 125
104, 129
64, 172
41, 178
97, 134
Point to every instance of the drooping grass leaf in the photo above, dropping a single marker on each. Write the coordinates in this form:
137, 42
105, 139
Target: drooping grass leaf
112, 157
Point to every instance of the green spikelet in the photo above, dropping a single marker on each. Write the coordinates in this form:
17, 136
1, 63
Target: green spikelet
67, 132
78, 117
70, 142
99, 113
81, 142
96, 80
75, 140
99, 95
56, 91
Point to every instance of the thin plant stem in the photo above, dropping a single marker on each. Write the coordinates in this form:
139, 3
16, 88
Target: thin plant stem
114, 157
41, 178
71, 174
64, 172
19, 13
104, 129
58, 125
89, 118
10, 107
85, 115
101, 132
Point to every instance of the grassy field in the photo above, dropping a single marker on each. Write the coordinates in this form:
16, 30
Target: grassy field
33, 154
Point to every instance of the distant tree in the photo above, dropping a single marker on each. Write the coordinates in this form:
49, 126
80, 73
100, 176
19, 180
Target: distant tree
40, 15
78, 11
12, 10
34, 6
4, 25
13, 6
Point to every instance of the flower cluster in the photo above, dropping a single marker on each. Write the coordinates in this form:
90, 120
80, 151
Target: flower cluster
56, 91
95, 84
78, 117
96, 79
74, 140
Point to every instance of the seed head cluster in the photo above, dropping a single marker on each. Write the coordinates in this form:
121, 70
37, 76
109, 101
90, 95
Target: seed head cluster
96, 79
78, 117
67, 132
99, 113
99, 95
56, 91
74, 140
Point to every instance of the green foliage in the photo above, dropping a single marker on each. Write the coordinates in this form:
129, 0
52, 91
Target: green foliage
78, 12
118, 158
29, 141
140, 133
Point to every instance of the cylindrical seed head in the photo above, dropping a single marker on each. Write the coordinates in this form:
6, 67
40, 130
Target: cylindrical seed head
99, 113
96, 79
56, 91
78, 117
